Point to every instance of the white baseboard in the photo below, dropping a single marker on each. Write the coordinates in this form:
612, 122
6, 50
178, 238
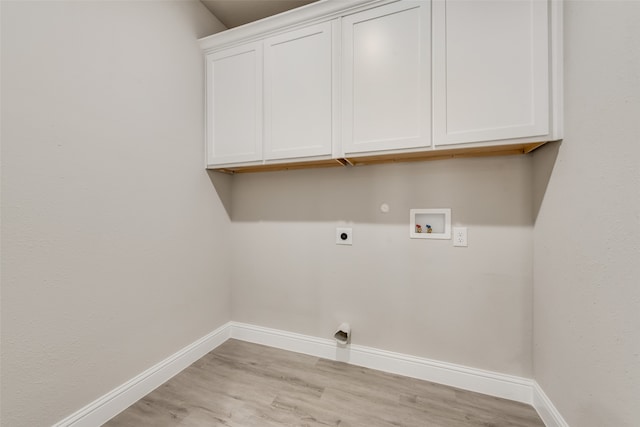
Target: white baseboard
491, 383
111, 404
472, 379
481, 381
547, 411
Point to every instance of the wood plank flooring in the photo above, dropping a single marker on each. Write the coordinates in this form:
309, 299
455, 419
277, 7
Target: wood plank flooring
248, 385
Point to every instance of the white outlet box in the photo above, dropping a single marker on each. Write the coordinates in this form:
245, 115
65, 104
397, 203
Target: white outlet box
460, 236
344, 236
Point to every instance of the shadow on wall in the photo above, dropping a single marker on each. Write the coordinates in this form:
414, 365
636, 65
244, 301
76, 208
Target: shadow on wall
222, 183
544, 160
490, 191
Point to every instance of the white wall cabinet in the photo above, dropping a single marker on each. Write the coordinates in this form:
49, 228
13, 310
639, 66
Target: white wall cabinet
491, 70
299, 93
234, 105
386, 77
369, 81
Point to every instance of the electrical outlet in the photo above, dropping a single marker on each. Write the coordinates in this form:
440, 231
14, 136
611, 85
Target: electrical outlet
344, 236
460, 236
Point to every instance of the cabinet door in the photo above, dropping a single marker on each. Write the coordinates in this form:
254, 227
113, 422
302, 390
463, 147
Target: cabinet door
234, 105
491, 75
299, 93
387, 78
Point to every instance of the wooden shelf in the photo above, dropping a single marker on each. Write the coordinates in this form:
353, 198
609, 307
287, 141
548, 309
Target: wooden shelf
282, 166
438, 154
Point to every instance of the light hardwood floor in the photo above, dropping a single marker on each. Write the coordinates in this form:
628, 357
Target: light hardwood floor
246, 385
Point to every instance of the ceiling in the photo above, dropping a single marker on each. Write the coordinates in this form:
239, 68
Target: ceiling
233, 13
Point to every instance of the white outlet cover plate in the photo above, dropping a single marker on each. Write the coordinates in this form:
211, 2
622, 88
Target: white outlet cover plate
460, 236
348, 232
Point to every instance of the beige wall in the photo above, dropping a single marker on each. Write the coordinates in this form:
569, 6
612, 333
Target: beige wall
113, 237
117, 250
470, 306
587, 231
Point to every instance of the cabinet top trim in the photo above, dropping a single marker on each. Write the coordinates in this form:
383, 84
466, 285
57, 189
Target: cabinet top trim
322, 10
